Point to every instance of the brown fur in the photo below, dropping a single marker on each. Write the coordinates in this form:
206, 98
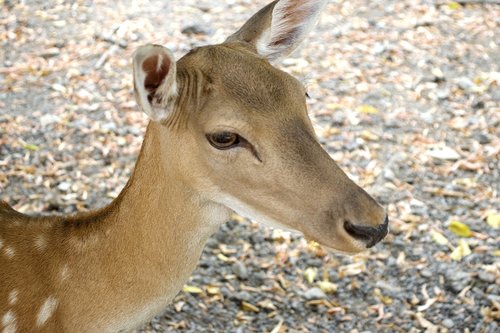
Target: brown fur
114, 269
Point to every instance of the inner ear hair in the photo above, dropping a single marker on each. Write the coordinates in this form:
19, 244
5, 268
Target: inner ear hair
155, 80
156, 69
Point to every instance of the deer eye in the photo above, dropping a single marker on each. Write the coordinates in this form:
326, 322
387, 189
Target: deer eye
224, 140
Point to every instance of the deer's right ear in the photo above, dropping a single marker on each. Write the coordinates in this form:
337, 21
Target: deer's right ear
155, 81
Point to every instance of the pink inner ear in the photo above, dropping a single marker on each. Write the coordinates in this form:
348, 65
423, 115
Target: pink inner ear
293, 17
287, 37
155, 73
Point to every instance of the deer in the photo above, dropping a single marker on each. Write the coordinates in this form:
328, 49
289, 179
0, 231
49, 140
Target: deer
228, 133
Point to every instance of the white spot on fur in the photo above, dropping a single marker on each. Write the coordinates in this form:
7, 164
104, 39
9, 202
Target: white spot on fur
40, 243
64, 273
1, 243
46, 311
9, 252
9, 322
13, 297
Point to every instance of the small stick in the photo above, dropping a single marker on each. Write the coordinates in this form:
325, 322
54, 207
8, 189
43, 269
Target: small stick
102, 60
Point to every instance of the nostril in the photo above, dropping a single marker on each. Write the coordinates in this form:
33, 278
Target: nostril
358, 231
368, 234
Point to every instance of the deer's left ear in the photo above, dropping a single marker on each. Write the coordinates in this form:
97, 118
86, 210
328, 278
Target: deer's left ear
155, 82
277, 29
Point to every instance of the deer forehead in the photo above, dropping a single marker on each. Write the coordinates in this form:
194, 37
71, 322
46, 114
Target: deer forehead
246, 78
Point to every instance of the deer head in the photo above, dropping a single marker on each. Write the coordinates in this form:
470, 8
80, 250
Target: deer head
236, 128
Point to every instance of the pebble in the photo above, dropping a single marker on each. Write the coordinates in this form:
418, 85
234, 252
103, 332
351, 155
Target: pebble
240, 270
259, 276
478, 105
378, 48
314, 293
197, 29
428, 117
388, 174
388, 285
242, 296
64, 186
483, 138
438, 74
444, 153
486, 277
49, 53
443, 93
110, 126
426, 273
493, 298
448, 323
49, 119
465, 84
457, 280
297, 62
212, 243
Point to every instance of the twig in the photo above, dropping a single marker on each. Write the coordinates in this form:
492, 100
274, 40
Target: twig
102, 60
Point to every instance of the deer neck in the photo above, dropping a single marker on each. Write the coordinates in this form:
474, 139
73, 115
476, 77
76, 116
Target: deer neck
154, 233
158, 206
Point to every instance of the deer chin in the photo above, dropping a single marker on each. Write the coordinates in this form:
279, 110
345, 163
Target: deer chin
348, 246
242, 209
333, 251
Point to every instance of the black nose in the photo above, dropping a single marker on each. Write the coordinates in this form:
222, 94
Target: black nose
371, 235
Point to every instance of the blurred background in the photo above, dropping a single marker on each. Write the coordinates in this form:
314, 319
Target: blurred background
404, 96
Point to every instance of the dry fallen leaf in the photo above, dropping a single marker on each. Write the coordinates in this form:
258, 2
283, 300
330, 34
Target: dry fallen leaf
222, 257
31, 146
367, 109
249, 307
430, 327
352, 269
191, 290
493, 220
179, 305
438, 238
459, 229
453, 5
280, 235
327, 287
369, 136
384, 299
267, 304
278, 327
461, 251
212, 290
310, 274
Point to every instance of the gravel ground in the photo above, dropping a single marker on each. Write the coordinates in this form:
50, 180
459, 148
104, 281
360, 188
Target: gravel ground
405, 96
